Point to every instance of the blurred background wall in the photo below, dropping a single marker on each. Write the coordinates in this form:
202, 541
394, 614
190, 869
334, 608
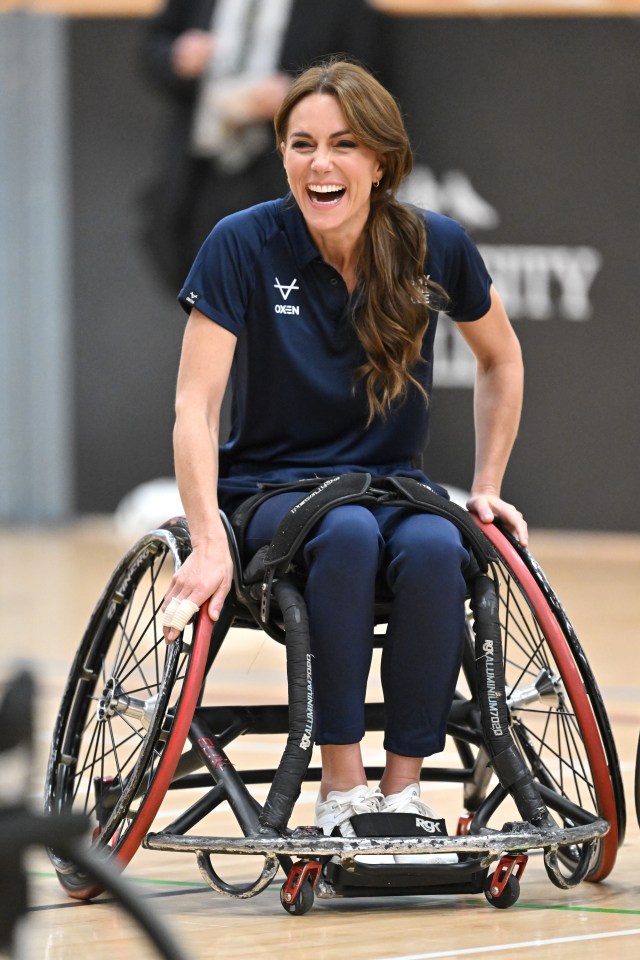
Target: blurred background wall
526, 129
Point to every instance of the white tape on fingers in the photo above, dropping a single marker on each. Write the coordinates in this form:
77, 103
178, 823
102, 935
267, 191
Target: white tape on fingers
174, 603
178, 614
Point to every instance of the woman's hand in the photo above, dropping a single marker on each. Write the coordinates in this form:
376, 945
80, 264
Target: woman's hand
489, 507
206, 574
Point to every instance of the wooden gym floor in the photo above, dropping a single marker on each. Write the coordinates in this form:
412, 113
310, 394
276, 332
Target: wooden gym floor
50, 581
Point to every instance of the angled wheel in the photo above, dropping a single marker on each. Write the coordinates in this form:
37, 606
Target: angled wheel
127, 707
557, 715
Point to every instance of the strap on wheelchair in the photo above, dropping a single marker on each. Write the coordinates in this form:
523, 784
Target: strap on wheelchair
423, 497
273, 561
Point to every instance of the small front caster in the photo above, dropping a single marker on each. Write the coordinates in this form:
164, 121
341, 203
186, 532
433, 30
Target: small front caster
301, 902
502, 888
507, 897
296, 894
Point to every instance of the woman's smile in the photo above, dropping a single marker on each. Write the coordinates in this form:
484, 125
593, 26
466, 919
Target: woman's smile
326, 194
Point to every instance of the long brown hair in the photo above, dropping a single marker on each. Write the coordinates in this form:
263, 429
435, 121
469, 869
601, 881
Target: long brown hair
392, 314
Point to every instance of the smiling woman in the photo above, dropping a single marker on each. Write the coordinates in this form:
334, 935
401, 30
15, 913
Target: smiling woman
322, 307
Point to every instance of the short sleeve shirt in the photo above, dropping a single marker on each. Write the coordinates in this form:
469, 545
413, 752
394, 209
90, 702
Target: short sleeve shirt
297, 408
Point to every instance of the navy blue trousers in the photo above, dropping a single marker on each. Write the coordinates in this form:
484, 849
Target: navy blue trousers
422, 557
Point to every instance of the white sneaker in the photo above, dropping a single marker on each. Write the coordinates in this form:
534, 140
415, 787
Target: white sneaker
341, 805
408, 801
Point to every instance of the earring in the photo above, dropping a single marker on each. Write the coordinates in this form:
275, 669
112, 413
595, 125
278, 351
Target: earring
376, 184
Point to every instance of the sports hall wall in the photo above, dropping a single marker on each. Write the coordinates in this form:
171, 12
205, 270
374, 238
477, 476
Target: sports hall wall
527, 130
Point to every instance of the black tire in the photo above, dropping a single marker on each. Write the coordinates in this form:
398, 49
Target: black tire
509, 895
558, 718
303, 901
127, 707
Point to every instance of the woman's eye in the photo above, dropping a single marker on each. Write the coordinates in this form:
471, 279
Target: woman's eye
301, 145
346, 143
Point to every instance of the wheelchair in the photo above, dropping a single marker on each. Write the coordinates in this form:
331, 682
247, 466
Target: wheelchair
527, 721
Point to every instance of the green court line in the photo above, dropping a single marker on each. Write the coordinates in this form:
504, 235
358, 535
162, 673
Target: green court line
575, 909
566, 907
43, 874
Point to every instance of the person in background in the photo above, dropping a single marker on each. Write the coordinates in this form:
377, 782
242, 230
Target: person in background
340, 383
224, 66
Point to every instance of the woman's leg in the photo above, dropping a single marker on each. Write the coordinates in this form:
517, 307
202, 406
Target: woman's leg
399, 772
342, 767
422, 650
342, 557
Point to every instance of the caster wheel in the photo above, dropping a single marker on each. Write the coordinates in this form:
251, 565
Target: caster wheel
509, 895
303, 901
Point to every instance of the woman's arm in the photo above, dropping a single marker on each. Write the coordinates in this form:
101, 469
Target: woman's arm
497, 407
207, 352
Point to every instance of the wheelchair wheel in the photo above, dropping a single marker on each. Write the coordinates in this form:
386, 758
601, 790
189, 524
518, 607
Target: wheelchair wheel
127, 707
558, 719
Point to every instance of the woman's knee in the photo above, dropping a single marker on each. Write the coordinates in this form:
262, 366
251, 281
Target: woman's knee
427, 547
347, 533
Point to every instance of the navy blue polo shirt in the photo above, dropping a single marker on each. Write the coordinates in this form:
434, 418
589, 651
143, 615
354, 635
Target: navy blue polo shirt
296, 410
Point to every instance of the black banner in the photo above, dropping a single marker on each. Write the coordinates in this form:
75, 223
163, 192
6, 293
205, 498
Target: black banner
528, 132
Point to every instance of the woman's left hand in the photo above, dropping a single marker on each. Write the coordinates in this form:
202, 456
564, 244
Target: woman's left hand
489, 507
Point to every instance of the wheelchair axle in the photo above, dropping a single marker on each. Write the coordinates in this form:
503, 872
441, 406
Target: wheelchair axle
114, 701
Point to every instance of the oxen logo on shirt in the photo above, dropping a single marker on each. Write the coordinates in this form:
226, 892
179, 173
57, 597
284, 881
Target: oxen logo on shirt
284, 292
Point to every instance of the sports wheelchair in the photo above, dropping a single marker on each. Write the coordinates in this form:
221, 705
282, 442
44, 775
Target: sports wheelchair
528, 724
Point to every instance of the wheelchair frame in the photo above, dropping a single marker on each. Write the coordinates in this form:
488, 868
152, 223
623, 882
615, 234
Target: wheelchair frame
131, 703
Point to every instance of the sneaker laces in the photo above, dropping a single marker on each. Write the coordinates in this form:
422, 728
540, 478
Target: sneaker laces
348, 807
368, 802
409, 802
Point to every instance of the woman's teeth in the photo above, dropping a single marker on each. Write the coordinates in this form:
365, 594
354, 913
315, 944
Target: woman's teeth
328, 194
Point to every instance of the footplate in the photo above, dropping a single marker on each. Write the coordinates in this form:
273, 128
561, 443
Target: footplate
476, 851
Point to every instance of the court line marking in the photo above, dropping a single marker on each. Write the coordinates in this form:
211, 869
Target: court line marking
195, 886
574, 908
514, 946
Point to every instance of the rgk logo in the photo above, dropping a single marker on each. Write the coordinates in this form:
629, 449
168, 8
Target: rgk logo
429, 826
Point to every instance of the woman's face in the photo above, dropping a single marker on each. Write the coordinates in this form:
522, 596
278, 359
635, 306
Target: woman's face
329, 172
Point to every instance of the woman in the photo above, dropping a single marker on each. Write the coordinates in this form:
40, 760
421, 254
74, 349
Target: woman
322, 308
